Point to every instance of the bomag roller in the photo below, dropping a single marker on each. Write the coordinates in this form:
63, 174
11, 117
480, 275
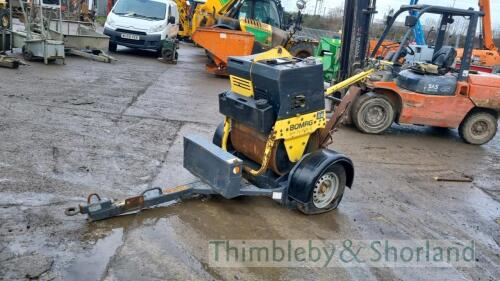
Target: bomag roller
273, 142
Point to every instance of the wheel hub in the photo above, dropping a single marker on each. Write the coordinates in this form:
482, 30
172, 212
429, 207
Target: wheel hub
375, 115
480, 128
325, 190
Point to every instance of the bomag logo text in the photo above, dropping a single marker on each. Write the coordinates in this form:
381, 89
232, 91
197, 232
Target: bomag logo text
300, 125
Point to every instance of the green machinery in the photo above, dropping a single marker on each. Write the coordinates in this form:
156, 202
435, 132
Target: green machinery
169, 52
328, 51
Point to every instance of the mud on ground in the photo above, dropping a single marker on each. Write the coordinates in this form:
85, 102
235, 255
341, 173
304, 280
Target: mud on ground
116, 129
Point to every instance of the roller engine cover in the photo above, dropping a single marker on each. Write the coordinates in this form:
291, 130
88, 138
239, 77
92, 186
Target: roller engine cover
291, 87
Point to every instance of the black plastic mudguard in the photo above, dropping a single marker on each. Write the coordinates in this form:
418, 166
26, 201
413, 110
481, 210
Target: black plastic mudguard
303, 176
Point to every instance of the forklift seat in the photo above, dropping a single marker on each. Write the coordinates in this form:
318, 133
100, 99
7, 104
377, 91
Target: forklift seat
441, 63
445, 57
427, 84
431, 78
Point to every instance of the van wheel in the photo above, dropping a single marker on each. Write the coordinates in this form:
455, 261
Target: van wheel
478, 128
112, 47
372, 113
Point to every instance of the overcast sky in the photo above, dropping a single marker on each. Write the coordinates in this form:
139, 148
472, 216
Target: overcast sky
384, 5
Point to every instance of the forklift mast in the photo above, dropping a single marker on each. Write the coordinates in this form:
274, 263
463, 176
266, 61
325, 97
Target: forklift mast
355, 35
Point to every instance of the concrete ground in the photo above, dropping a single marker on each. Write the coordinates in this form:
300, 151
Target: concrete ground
116, 129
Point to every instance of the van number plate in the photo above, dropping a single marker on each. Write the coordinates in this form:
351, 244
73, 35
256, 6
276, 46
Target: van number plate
130, 36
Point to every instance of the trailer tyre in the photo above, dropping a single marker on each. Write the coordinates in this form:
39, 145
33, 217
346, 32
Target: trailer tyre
478, 127
372, 113
318, 182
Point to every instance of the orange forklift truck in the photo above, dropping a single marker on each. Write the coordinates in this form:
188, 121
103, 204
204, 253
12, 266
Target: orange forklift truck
431, 93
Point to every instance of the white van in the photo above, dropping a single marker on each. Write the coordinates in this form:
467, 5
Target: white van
141, 24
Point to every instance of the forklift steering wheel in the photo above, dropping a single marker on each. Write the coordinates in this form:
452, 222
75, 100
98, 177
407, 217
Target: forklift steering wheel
410, 50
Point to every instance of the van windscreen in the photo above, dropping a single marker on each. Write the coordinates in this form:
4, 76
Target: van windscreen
148, 9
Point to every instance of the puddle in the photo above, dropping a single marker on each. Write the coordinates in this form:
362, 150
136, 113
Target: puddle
164, 235
485, 206
92, 265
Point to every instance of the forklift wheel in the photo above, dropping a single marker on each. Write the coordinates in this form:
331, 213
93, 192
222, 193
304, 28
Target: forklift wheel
478, 128
372, 113
317, 183
218, 134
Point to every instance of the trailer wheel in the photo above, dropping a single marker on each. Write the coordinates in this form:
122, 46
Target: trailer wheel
372, 113
319, 181
478, 128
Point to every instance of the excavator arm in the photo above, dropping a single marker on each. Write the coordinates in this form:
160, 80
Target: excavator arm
198, 14
489, 44
184, 18
219, 7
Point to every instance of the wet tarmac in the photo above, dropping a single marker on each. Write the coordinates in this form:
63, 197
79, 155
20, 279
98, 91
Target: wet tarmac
116, 129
